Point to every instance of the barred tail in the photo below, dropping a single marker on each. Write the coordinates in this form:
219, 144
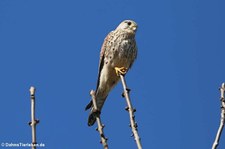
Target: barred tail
94, 112
92, 118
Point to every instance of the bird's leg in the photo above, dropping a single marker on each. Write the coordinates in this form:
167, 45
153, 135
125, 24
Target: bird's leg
120, 70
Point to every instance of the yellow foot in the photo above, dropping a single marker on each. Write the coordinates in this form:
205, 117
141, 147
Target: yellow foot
121, 70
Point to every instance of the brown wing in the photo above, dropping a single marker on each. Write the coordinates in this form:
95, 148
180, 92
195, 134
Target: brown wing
134, 51
101, 63
102, 55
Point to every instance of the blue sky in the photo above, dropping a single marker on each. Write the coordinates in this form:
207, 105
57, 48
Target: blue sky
55, 45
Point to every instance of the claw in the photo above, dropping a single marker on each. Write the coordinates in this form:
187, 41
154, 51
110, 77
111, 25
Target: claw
121, 70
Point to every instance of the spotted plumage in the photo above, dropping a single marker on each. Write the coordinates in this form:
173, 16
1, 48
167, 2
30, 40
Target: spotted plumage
118, 50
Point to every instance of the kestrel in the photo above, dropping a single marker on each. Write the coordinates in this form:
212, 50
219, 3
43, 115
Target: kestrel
117, 55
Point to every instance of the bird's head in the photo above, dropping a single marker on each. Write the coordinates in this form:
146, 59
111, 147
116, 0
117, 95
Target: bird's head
128, 25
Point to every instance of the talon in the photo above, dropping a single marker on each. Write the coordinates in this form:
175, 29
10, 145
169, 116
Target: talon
121, 70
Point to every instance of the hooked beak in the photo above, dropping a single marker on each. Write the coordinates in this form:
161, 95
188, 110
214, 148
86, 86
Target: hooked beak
134, 28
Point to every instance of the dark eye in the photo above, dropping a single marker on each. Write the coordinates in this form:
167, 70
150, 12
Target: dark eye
129, 23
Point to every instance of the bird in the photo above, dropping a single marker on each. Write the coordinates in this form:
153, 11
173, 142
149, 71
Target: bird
117, 55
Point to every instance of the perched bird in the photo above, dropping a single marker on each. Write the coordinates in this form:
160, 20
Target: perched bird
117, 55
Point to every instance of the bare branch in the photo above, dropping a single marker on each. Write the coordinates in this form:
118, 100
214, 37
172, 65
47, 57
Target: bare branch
131, 111
33, 122
222, 119
100, 125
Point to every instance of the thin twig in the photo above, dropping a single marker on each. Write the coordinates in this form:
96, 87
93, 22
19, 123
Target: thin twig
33, 122
222, 118
98, 119
131, 111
